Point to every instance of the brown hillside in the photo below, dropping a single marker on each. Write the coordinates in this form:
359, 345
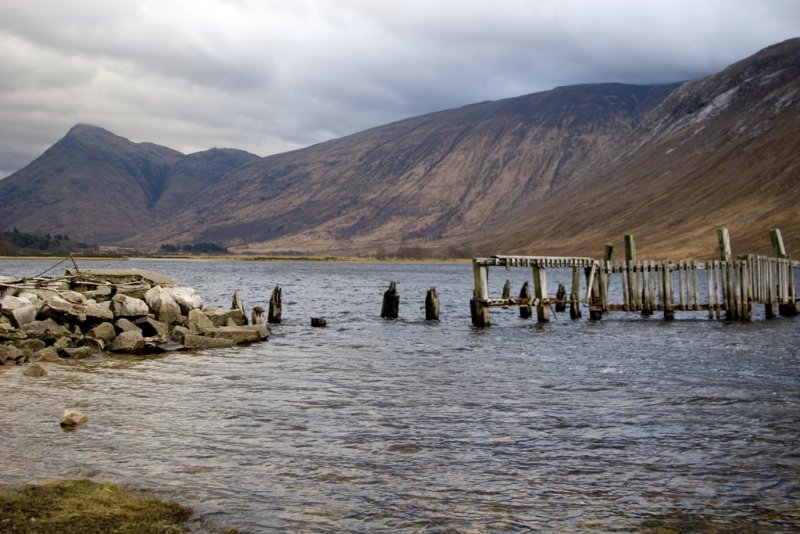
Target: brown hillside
418, 180
720, 151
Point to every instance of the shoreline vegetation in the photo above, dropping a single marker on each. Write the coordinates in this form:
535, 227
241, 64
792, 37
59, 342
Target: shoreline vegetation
241, 257
87, 507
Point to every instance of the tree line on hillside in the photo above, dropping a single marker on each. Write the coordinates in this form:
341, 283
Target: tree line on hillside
16, 243
194, 248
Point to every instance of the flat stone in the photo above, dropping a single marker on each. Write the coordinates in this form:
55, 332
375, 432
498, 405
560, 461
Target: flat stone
186, 297
47, 354
58, 307
240, 334
126, 325
130, 341
32, 345
125, 306
163, 305
97, 345
73, 297
151, 328
47, 330
122, 276
178, 333
198, 321
23, 315
104, 332
78, 352
193, 341
10, 354
35, 370
223, 316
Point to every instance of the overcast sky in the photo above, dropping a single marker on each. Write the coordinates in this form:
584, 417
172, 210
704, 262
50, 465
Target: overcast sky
273, 75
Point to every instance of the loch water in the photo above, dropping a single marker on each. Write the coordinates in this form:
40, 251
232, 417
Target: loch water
624, 424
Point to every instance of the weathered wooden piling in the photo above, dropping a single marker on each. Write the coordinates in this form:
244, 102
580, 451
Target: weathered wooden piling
479, 310
431, 305
391, 302
318, 322
507, 290
561, 298
236, 304
731, 285
574, 296
540, 289
275, 306
525, 308
257, 315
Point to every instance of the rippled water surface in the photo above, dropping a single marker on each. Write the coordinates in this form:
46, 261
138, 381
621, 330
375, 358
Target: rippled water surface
370, 425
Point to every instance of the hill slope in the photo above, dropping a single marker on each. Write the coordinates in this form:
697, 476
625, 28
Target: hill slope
100, 187
557, 172
423, 179
720, 151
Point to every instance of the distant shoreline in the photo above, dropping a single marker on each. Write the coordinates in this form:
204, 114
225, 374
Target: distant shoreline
239, 257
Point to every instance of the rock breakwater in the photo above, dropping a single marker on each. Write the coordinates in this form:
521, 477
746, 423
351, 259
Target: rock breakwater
87, 312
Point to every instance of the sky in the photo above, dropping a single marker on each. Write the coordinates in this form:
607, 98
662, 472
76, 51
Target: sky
268, 76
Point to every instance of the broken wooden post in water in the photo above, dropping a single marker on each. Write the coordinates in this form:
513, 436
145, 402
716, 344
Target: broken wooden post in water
236, 304
507, 290
318, 322
561, 298
391, 302
432, 305
275, 306
574, 296
647, 286
257, 315
478, 308
525, 308
540, 289
787, 306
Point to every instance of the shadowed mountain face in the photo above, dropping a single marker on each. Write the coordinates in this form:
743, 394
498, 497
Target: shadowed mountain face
99, 187
424, 179
558, 172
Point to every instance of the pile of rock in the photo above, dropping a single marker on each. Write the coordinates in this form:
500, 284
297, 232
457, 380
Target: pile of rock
128, 311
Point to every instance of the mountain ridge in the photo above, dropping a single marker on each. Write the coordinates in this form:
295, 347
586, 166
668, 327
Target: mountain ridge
554, 172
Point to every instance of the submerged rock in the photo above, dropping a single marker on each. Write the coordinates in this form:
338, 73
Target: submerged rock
72, 418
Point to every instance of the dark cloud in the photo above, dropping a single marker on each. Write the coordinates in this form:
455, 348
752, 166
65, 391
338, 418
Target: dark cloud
270, 76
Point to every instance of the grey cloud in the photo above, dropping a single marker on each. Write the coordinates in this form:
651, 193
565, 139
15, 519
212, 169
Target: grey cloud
269, 76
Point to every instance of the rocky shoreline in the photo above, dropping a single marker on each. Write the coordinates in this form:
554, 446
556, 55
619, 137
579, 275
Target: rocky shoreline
132, 311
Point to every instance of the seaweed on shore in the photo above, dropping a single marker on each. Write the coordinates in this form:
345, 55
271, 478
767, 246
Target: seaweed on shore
86, 507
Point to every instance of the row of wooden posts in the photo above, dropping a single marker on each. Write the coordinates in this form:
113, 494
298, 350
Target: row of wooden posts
389, 310
732, 285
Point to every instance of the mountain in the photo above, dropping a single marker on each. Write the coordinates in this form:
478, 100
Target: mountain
557, 172
420, 180
100, 187
722, 151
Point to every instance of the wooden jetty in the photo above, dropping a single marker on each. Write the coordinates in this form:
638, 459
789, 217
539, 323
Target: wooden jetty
726, 286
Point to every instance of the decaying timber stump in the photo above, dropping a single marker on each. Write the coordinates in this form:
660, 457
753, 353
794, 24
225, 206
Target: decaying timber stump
507, 289
257, 315
391, 302
275, 306
561, 298
432, 305
236, 304
525, 310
